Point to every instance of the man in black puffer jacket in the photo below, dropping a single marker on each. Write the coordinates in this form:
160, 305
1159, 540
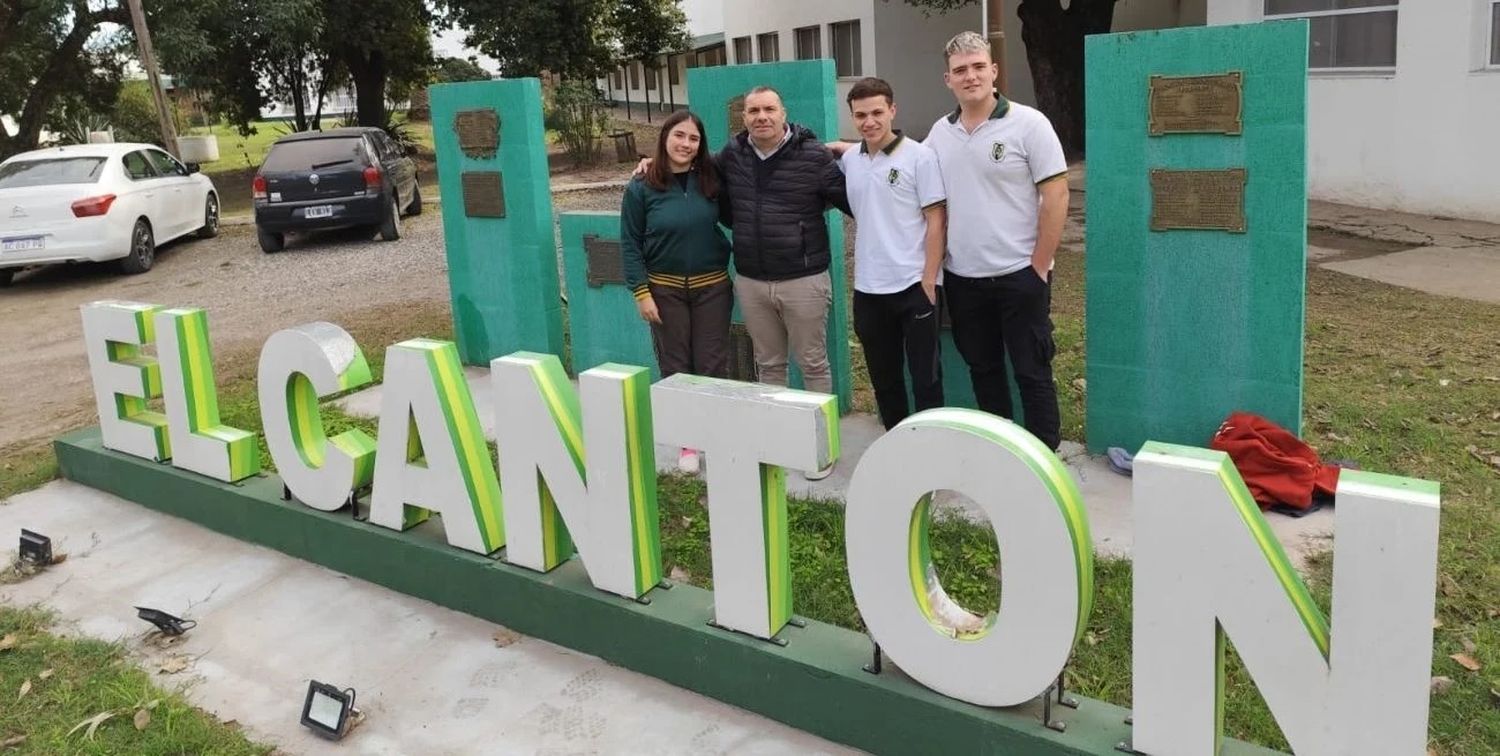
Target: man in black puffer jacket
780, 179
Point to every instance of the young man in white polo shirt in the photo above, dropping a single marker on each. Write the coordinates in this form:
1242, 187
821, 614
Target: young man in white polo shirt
1007, 183
896, 192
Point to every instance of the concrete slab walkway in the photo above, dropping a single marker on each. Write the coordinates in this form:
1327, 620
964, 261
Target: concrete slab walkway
1106, 494
430, 680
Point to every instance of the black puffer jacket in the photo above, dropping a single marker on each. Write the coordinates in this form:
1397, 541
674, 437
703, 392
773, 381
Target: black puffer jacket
775, 206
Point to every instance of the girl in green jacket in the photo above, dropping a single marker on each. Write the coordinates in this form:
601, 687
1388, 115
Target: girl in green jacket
677, 257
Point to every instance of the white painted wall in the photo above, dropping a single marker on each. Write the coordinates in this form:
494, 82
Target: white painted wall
911, 48
752, 19
1423, 139
1130, 15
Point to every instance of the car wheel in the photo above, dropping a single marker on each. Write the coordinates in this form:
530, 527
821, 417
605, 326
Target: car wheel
269, 241
415, 208
390, 227
7, 276
142, 249
210, 218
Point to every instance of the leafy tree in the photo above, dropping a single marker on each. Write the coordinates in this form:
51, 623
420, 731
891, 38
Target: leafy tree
648, 28
572, 38
386, 47
458, 69
48, 65
1053, 36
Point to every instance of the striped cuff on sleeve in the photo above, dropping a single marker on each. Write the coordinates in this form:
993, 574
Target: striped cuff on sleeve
642, 292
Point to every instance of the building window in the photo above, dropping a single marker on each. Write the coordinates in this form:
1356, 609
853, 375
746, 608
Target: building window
635, 77
770, 47
1344, 33
673, 77
1495, 33
618, 79
651, 75
742, 50
809, 42
846, 53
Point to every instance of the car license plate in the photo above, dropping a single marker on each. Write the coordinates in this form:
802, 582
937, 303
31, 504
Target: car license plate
23, 244
320, 211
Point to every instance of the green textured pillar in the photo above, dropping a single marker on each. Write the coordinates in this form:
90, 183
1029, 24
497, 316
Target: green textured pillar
1185, 326
497, 218
809, 93
603, 324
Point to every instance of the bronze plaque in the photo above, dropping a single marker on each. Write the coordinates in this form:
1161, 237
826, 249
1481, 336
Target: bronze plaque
484, 194
606, 265
1213, 200
741, 354
736, 114
478, 132
1212, 104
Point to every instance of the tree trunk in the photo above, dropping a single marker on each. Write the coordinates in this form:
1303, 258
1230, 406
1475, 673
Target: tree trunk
369, 72
39, 101
298, 80
1054, 50
325, 63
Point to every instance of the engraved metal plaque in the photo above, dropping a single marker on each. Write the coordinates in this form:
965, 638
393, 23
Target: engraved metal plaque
736, 114
741, 354
478, 132
606, 265
1213, 200
484, 194
1212, 104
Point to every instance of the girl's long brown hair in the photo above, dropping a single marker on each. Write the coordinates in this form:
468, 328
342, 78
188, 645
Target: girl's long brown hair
660, 174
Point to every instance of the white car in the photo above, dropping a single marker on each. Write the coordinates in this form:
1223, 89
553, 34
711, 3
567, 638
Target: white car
96, 202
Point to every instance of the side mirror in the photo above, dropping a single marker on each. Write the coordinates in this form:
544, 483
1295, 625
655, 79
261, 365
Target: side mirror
192, 168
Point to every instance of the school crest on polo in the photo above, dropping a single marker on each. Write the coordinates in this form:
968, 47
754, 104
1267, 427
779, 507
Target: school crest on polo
892, 177
997, 151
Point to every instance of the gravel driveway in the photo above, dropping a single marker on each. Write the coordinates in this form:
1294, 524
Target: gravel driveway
248, 294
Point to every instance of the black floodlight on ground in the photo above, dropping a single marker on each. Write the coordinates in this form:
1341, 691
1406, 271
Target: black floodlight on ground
328, 711
35, 548
166, 623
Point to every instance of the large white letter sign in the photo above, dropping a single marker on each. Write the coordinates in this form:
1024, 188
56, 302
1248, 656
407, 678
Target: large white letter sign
748, 433
1046, 554
432, 456
298, 366
607, 496
1208, 566
124, 378
199, 442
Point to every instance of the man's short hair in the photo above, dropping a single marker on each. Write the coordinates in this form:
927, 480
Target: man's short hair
871, 87
964, 42
762, 89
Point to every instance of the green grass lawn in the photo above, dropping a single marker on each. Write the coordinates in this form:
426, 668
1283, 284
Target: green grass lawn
51, 684
1403, 382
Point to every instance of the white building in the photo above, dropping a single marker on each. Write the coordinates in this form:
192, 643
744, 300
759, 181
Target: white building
1403, 101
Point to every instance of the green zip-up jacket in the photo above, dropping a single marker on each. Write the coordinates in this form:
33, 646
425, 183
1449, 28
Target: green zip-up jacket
671, 237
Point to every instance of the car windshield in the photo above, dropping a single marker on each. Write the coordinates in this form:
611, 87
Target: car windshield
51, 172
305, 154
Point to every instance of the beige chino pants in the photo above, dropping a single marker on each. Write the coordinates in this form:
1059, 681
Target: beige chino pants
784, 316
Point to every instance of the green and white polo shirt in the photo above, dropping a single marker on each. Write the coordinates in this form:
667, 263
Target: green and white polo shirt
992, 177
888, 190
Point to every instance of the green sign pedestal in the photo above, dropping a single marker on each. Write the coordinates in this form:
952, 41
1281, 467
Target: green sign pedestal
497, 218
1195, 293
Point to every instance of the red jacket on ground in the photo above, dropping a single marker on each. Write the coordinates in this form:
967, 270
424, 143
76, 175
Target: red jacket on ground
1278, 467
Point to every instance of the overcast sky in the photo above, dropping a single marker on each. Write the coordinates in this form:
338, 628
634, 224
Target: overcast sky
449, 43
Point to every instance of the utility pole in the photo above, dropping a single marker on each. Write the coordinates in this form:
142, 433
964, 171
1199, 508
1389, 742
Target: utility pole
153, 76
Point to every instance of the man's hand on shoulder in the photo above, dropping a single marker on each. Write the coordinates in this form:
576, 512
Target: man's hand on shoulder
838, 148
642, 167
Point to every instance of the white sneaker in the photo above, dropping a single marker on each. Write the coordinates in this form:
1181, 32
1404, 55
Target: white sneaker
687, 461
819, 474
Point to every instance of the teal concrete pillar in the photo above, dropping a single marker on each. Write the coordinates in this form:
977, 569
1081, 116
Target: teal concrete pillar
1197, 230
497, 218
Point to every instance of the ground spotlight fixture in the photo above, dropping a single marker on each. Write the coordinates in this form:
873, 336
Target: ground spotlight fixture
166, 623
35, 548
328, 711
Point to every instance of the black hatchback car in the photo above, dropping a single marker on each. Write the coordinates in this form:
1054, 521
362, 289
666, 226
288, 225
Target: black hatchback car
337, 178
